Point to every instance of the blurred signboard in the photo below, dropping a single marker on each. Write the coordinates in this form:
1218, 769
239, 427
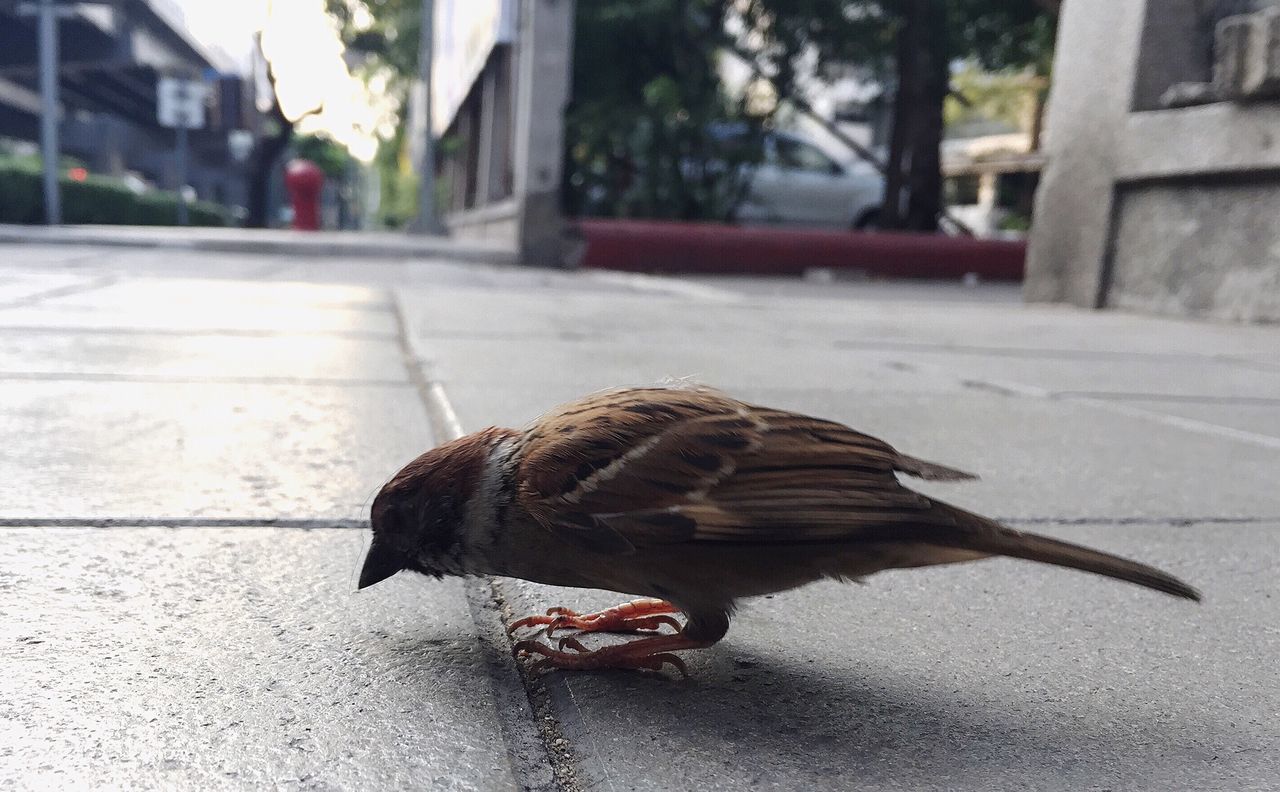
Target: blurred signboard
466, 31
180, 103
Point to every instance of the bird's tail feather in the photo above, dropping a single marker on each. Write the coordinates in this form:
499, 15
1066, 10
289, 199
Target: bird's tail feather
989, 536
930, 471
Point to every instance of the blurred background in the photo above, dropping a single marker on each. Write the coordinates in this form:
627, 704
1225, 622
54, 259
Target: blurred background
741, 111
560, 130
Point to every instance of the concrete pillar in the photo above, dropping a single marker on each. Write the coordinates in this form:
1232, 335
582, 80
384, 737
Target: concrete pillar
487, 155
1094, 71
499, 183
544, 51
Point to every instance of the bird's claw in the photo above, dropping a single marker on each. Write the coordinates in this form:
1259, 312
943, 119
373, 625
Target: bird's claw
552, 616
647, 615
644, 654
571, 642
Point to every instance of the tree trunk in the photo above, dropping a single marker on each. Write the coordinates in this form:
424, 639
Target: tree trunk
1041, 97
262, 164
262, 161
915, 161
891, 212
924, 202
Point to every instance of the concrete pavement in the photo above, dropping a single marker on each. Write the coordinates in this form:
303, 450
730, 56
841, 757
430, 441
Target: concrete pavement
190, 441
258, 242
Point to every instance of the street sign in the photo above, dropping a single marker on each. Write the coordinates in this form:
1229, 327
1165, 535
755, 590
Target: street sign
180, 103
180, 106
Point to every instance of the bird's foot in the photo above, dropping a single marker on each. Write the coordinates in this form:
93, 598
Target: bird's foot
636, 616
649, 654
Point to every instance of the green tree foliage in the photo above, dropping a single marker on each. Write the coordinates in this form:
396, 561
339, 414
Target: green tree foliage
929, 36
386, 34
398, 199
96, 199
1003, 34
980, 98
332, 158
646, 129
646, 126
386, 31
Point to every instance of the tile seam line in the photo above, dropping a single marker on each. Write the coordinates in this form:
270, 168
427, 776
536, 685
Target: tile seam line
170, 332
32, 300
1013, 389
1055, 353
144, 379
547, 771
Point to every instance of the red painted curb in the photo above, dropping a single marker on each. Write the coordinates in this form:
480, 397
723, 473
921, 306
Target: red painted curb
660, 246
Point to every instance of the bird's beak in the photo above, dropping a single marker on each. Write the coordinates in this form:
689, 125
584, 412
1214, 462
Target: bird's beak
380, 564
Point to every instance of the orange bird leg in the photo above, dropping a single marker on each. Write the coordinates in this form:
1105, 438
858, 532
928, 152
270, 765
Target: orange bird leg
635, 616
649, 654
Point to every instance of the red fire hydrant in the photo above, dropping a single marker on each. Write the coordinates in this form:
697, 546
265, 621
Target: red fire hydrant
304, 180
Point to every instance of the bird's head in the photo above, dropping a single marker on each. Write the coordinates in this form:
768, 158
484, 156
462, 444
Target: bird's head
418, 516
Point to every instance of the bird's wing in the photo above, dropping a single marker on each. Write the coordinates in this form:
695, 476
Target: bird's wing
638, 467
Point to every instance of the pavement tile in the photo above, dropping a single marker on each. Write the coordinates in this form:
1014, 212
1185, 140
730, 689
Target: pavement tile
242, 657
1258, 418
1205, 378
234, 658
992, 675
1043, 458
128, 449
208, 357
1037, 458
18, 286
238, 295
593, 365
59, 257
204, 305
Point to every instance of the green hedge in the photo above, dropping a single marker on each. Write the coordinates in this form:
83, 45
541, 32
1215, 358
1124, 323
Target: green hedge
95, 200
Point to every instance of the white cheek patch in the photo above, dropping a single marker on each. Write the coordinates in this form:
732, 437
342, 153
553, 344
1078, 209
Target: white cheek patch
480, 520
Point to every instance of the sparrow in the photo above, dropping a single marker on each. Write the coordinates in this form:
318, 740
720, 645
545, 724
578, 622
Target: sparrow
691, 500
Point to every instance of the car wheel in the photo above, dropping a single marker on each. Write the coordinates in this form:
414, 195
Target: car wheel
868, 221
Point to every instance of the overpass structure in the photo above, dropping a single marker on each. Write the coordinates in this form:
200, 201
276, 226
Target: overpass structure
112, 55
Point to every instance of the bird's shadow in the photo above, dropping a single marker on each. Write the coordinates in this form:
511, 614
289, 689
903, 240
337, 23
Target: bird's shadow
747, 718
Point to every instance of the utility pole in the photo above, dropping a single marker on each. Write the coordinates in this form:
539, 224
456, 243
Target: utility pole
181, 156
48, 34
426, 221
180, 106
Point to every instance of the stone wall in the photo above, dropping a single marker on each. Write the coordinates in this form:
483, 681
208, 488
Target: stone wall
1199, 250
1147, 207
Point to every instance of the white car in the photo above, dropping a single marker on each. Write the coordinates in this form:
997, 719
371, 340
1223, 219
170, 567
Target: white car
797, 184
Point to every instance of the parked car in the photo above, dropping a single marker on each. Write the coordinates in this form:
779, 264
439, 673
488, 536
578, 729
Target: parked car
797, 184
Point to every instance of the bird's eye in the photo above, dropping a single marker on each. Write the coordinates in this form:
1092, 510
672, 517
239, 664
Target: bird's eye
395, 521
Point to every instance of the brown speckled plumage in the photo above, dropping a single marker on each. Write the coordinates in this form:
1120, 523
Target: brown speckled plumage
690, 496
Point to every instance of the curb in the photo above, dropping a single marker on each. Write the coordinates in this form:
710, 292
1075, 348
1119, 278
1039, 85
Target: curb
717, 249
316, 244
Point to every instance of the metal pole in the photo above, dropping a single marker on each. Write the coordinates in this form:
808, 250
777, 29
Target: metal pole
182, 173
426, 221
48, 25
